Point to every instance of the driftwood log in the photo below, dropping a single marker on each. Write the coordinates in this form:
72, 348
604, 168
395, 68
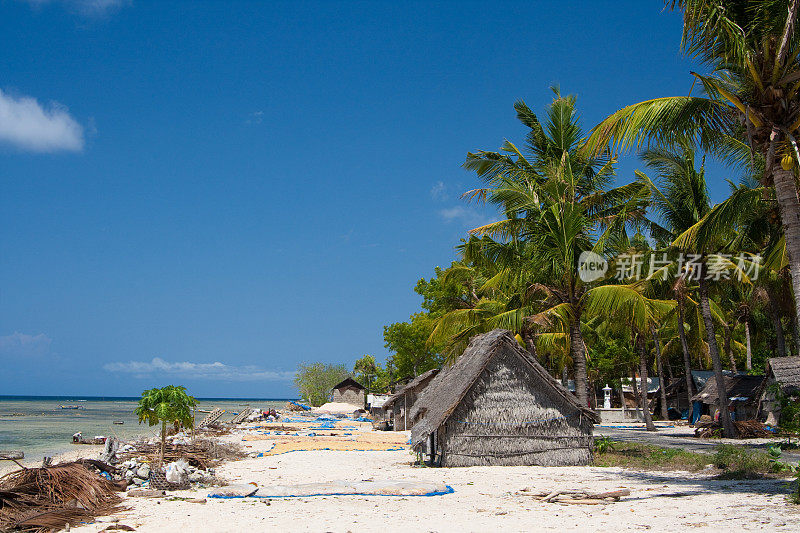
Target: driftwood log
11, 455
578, 497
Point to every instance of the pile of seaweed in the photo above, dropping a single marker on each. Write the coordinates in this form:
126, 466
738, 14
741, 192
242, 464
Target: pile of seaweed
48, 498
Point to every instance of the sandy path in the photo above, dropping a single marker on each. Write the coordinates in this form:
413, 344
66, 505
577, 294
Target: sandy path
483, 500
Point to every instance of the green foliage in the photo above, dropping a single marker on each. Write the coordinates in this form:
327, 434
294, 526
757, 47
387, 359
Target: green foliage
441, 294
603, 444
314, 381
789, 422
167, 404
644, 457
609, 359
366, 370
741, 463
409, 342
774, 454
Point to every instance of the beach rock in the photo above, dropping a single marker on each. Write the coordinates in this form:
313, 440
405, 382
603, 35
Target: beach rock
143, 472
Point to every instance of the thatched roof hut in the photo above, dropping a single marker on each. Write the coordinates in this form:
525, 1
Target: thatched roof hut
743, 391
403, 400
498, 406
348, 391
677, 398
785, 371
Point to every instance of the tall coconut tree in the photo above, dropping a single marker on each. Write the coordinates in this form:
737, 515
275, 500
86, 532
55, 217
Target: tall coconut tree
553, 200
678, 201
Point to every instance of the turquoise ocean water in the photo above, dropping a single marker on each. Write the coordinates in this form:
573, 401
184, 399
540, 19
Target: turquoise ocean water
38, 426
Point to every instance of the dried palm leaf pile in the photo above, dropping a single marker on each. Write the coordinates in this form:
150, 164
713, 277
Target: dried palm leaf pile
202, 454
578, 497
746, 429
48, 498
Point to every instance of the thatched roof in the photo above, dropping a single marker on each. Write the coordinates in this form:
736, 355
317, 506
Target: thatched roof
739, 386
448, 388
414, 384
786, 371
348, 383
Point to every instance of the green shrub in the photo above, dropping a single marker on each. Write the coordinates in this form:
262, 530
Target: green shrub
740, 463
603, 444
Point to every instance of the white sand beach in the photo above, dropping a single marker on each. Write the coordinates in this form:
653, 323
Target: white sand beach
484, 498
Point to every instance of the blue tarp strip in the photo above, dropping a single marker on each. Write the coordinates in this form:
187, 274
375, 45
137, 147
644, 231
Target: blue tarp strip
449, 490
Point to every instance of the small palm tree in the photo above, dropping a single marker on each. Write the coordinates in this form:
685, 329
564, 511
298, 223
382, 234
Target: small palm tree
168, 404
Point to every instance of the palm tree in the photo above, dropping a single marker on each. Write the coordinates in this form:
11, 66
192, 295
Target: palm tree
167, 404
553, 202
640, 314
679, 199
752, 95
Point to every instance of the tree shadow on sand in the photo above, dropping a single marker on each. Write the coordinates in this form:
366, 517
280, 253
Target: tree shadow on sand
710, 484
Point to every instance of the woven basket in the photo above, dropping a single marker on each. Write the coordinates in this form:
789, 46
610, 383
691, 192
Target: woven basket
158, 481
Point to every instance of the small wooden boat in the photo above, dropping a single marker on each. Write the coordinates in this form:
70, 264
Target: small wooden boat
119, 422
70, 406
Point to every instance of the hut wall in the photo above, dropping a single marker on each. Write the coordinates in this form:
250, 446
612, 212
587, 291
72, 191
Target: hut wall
348, 395
401, 408
399, 416
509, 417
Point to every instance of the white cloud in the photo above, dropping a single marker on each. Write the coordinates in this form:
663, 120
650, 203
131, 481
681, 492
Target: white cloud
463, 215
84, 7
439, 191
214, 371
256, 117
25, 124
23, 345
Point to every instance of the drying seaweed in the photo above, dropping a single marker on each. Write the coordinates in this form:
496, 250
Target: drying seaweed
47, 498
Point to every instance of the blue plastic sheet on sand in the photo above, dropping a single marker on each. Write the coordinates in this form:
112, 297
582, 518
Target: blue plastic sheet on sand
448, 490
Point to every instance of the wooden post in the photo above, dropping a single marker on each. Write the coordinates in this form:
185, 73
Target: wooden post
405, 412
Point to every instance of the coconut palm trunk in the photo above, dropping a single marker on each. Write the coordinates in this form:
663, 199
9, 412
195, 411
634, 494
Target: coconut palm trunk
662, 389
796, 337
578, 361
749, 360
789, 205
636, 397
163, 442
687, 362
530, 343
728, 429
728, 350
774, 314
648, 419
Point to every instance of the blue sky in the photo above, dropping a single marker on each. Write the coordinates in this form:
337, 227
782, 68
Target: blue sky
207, 193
